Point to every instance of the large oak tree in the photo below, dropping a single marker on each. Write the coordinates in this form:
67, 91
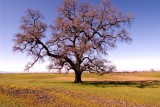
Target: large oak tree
80, 36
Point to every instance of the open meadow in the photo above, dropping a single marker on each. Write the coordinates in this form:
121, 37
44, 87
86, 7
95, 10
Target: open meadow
141, 89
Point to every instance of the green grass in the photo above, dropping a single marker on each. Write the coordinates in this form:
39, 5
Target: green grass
52, 90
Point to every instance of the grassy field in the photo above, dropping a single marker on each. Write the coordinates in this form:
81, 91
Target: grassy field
58, 90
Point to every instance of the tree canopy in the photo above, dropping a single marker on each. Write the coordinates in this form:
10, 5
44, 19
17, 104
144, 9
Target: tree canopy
81, 34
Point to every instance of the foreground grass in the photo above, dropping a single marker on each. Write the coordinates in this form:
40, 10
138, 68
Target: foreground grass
116, 89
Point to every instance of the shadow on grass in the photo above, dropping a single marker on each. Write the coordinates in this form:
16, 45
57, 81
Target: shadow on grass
104, 84
138, 84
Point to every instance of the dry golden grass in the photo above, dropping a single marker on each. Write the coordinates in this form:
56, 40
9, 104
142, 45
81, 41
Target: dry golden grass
57, 90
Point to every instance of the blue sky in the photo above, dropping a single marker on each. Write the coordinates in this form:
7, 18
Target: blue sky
142, 54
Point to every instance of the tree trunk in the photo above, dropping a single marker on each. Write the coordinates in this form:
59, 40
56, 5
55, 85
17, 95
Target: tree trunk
78, 77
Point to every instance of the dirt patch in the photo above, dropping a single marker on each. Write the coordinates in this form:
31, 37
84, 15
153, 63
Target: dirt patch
36, 96
46, 97
94, 99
